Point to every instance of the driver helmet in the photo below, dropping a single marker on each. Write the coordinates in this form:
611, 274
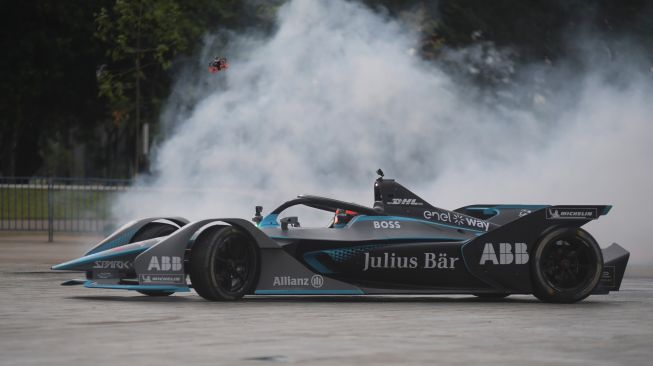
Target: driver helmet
342, 217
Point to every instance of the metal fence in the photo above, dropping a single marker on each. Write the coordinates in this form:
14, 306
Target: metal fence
57, 204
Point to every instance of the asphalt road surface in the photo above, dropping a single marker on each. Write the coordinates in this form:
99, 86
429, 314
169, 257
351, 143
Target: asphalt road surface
42, 323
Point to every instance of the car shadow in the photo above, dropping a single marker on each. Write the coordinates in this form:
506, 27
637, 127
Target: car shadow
139, 298
361, 299
443, 299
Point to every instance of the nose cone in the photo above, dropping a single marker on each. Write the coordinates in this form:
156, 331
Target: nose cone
86, 262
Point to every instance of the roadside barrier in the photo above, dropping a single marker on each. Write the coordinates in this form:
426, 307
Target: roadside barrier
58, 204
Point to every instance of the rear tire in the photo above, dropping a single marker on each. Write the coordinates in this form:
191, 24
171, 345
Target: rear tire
224, 264
566, 266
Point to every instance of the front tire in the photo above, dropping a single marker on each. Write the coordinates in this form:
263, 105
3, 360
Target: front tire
224, 264
566, 266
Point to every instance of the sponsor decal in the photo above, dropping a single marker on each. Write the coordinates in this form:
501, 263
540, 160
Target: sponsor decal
457, 219
506, 254
571, 213
316, 281
393, 261
607, 276
164, 278
103, 275
524, 212
386, 224
112, 265
165, 263
405, 202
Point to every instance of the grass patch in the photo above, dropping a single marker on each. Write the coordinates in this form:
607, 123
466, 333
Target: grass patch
33, 203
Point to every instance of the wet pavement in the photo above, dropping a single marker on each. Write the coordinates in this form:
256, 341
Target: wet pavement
44, 323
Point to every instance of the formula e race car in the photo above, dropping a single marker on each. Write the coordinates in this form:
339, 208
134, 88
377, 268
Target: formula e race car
401, 245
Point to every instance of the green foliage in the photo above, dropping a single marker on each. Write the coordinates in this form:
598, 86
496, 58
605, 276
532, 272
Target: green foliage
142, 38
32, 203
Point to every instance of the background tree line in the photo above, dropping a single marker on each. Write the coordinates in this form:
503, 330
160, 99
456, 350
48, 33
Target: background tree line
82, 80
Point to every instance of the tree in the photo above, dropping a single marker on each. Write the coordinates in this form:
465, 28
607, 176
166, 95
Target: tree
142, 39
48, 84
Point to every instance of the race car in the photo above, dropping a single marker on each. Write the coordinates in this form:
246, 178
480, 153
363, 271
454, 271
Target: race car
400, 245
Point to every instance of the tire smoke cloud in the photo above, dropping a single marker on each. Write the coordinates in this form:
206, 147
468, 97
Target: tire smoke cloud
338, 91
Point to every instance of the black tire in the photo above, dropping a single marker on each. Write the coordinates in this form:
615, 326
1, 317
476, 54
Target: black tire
491, 296
153, 230
154, 293
566, 266
149, 231
224, 264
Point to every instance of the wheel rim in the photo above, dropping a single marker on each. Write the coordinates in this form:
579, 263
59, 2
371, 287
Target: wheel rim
233, 264
568, 263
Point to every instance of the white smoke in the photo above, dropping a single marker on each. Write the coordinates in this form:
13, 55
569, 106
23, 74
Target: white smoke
337, 92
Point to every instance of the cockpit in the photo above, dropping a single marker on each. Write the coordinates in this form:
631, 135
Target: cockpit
342, 217
343, 212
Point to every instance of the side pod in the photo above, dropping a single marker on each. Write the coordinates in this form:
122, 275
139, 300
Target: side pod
163, 263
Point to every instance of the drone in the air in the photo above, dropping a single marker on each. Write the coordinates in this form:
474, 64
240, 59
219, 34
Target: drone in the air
218, 64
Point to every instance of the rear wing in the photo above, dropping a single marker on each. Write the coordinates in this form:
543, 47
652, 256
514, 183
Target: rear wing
526, 231
503, 214
615, 259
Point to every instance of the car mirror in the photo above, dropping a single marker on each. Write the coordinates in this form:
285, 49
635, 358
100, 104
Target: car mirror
292, 221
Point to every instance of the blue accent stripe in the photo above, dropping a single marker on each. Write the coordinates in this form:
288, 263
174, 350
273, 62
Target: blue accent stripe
495, 210
309, 292
315, 264
529, 207
491, 211
121, 239
338, 255
269, 221
169, 288
506, 207
606, 209
438, 238
400, 218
